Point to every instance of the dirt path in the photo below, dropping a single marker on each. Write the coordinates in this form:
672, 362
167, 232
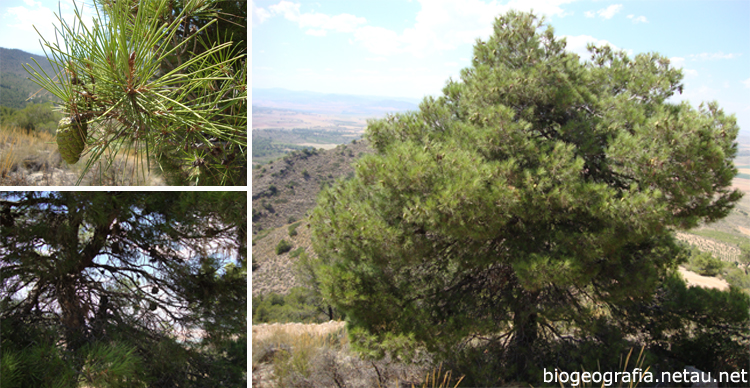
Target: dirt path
693, 279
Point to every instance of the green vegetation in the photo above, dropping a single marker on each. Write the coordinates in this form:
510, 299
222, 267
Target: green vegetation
16, 89
272, 144
33, 117
705, 263
738, 278
739, 241
283, 247
179, 99
267, 206
526, 216
124, 290
293, 228
299, 305
265, 149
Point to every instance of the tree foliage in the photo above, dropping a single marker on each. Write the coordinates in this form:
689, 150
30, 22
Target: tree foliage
127, 277
166, 79
521, 206
33, 117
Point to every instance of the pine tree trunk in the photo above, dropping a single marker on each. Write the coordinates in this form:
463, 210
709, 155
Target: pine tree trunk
525, 329
73, 316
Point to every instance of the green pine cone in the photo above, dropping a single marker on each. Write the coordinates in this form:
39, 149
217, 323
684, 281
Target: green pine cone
71, 139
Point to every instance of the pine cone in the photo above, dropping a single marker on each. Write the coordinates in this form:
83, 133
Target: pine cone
71, 138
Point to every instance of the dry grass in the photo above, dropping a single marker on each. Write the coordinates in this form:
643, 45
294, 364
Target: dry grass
318, 355
32, 159
21, 151
265, 331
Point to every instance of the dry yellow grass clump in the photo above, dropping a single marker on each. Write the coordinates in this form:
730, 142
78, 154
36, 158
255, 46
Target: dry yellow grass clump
30, 151
266, 331
318, 355
32, 159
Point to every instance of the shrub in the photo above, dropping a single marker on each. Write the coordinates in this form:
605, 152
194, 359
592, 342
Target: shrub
283, 247
293, 229
737, 278
300, 305
267, 206
706, 264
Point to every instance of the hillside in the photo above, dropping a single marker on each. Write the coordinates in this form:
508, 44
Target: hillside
285, 189
15, 86
286, 120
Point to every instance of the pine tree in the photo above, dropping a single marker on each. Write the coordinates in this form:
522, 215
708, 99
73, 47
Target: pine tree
517, 208
127, 268
164, 80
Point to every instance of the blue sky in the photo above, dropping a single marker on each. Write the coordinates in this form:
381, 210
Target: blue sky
405, 48
19, 17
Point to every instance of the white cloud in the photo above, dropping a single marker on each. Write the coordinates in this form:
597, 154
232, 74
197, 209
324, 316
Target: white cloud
22, 19
378, 40
25, 18
606, 13
690, 72
746, 83
679, 62
316, 21
315, 32
712, 56
439, 24
376, 59
639, 19
259, 14
365, 72
447, 24
610, 11
577, 44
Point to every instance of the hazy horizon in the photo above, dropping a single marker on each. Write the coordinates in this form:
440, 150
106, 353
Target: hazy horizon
410, 49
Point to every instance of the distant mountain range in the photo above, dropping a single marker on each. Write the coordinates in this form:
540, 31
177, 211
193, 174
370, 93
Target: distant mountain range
341, 104
15, 86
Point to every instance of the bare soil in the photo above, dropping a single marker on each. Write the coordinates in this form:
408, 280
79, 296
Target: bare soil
696, 280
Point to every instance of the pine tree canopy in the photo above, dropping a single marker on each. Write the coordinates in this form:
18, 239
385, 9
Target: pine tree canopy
81, 272
538, 191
